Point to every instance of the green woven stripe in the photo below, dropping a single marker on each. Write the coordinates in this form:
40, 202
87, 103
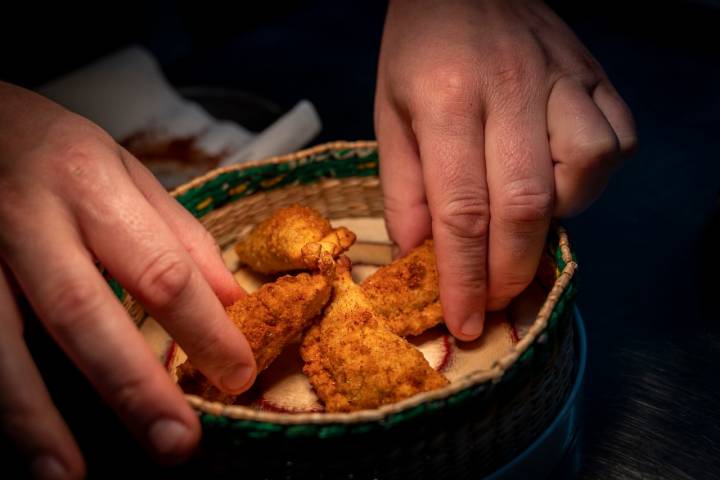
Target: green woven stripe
114, 285
236, 184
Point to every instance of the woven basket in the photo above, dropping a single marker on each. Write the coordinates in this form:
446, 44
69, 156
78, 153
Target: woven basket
475, 424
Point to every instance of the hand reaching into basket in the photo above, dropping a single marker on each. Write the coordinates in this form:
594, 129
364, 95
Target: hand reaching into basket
492, 118
72, 195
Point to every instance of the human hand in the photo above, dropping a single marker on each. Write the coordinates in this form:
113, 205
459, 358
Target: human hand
491, 118
72, 195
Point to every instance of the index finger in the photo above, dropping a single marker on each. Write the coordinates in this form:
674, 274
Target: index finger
196, 240
132, 241
451, 151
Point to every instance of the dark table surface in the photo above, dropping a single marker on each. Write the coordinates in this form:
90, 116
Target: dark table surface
649, 249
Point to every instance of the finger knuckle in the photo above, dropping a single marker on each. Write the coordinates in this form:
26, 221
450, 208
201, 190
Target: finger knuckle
164, 279
579, 73
77, 159
628, 143
450, 91
586, 66
512, 73
74, 303
509, 70
589, 152
465, 217
129, 395
526, 201
79, 166
454, 84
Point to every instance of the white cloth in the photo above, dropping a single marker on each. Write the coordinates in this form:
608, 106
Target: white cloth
126, 93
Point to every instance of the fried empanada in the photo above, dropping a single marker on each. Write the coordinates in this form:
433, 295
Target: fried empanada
269, 318
406, 292
293, 238
352, 358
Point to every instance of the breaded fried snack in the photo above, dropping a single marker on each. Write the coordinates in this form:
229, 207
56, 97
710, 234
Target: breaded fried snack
354, 361
292, 238
406, 292
269, 318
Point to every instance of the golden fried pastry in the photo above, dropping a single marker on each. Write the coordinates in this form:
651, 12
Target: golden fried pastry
269, 318
354, 361
293, 238
406, 292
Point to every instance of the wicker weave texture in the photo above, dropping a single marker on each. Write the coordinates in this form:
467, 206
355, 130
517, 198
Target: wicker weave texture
340, 180
476, 437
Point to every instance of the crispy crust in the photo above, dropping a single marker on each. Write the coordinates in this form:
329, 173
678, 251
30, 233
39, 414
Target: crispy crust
406, 292
354, 361
278, 312
293, 238
269, 318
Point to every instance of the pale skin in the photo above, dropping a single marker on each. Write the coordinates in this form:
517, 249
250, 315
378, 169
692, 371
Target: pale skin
77, 195
491, 116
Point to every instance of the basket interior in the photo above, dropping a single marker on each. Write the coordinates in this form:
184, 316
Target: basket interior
341, 182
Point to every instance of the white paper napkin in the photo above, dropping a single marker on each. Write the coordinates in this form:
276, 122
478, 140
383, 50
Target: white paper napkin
126, 93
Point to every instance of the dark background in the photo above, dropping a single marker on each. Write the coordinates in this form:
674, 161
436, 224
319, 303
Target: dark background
648, 249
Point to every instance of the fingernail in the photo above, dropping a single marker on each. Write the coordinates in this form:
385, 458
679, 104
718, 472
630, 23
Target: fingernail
395, 251
238, 378
167, 435
473, 326
48, 467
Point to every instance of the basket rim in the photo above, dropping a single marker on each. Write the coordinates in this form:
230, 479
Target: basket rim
285, 158
492, 375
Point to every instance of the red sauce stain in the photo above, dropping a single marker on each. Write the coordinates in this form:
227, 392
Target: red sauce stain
447, 355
